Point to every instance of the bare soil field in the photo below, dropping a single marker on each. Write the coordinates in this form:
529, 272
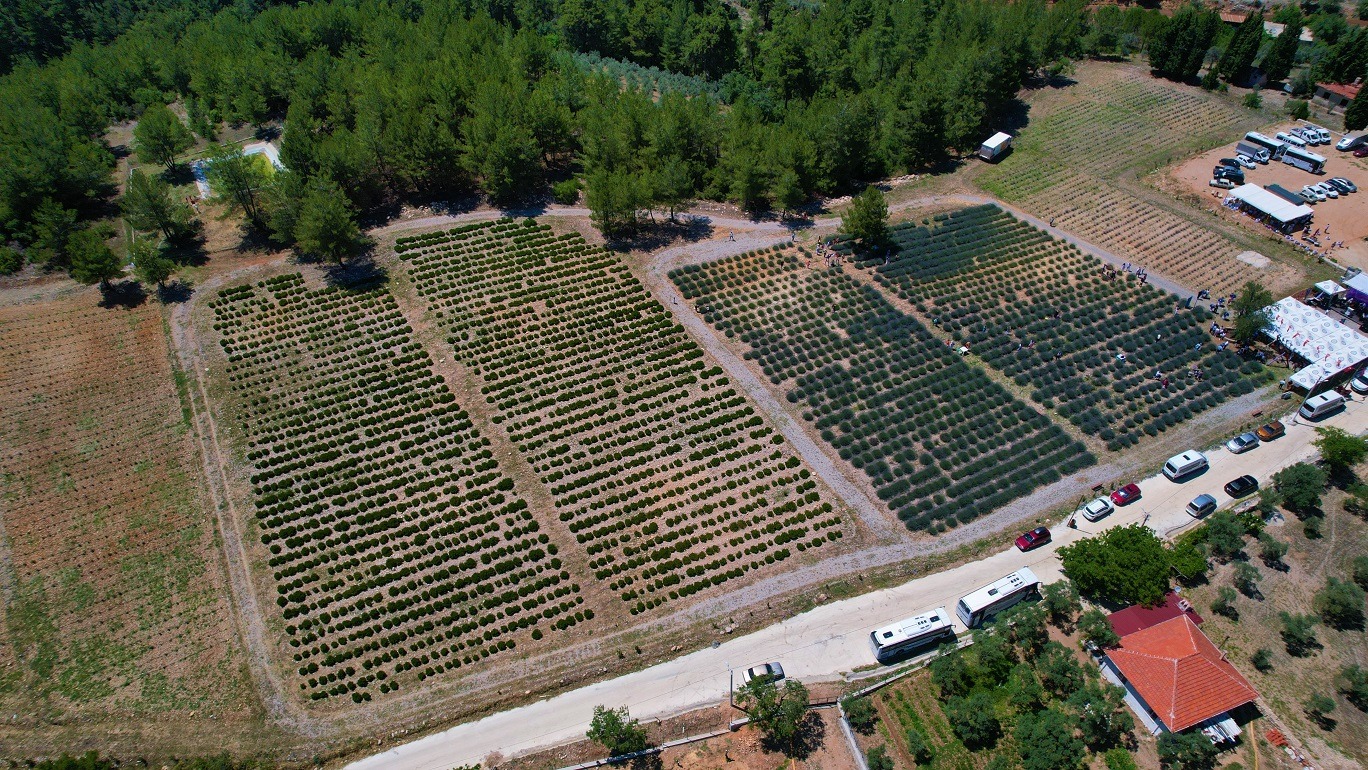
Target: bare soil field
1346, 217
1290, 586
116, 612
1077, 161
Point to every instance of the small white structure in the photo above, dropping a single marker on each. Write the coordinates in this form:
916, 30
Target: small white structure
996, 146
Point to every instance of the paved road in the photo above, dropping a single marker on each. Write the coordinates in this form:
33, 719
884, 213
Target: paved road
831, 639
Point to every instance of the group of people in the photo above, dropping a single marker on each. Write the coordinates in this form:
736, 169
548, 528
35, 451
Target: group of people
1110, 273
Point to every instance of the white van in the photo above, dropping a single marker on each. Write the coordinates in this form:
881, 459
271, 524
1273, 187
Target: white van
1185, 464
1292, 139
1317, 407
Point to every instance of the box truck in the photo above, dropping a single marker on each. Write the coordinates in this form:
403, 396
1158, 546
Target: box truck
995, 147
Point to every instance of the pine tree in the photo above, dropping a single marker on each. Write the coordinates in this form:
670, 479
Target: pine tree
1277, 64
327, 227
92, 261
1239, 56
160, 136
150, 204
1356, 115
867, 219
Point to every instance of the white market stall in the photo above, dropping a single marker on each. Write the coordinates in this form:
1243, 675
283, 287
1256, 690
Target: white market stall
1328, 347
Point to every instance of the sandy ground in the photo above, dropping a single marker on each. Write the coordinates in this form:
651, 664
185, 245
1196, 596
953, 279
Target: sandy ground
832, 639
1347, 216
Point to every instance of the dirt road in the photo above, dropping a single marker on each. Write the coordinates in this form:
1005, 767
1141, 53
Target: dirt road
831, 639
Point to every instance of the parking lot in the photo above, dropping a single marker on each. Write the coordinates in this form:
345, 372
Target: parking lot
1347, 216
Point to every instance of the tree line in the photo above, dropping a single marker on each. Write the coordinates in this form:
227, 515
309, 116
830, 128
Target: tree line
386, 101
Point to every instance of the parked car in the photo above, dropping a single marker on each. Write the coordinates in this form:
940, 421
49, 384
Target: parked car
1245, 160
1229, 162
1201, 505
1328, 190
1270, 431
1344, 184
1360, 382
1317, 194
1361, 152
1244, 485
1223, 183
1126, 495
1097, 509
1242, 443
770, 671
1033, 539
1349, 142
1308, 196
1234, 174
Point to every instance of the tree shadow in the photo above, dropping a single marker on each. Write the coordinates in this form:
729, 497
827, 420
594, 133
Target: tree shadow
652, 237
360, 273
178, 174
175, 292
806, 741
188, 248
125, 294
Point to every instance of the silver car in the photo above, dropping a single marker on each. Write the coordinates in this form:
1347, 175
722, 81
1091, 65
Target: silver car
1201, 505
1328, 190
1242, 443
770, 671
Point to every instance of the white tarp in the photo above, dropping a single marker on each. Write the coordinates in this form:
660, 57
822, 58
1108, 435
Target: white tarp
1266, 202
1330, 347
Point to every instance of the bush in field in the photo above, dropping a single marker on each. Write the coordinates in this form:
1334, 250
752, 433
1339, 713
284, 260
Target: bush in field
860, 713
1340, 604
877, 758
1298, 634
1271, 549
1262, 659
1318, 708
779, 712
616, 731
1224, 535
1047, 741
1300, 486
1187, 751
973, 720
917, 747
1246, 579
1353, 682
1095, 627
1224, 603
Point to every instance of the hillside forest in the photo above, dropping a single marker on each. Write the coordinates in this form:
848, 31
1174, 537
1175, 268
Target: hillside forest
640, 104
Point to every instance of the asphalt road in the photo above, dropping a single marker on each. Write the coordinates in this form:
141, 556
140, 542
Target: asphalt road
832, 639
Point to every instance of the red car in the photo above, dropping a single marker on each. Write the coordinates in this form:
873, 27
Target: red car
1033, 539
1361, 152
1126, 495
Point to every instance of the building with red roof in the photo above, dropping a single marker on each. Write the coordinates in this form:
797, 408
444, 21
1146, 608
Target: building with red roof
1337, 94
1138, 618
1178, 677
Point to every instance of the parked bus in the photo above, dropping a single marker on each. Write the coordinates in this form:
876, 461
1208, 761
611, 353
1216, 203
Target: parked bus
1275, 148
997, 596
1304, 160
892, 642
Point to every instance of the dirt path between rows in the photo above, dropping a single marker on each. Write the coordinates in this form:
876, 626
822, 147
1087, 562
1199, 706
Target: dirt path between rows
250, 620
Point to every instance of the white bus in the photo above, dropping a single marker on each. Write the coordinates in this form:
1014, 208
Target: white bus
1275, 148
1304, 160
997, 596
891, 642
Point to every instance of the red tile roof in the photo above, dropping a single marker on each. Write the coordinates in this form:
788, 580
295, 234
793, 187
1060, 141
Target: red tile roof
1138, 618
1180, 673
1234, 17
1347, 90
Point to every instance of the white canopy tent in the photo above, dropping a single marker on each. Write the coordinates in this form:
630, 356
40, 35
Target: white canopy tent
1329, 347
1285, 214
1329, 288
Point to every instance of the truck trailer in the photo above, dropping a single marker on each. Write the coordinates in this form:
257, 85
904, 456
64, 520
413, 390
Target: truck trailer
995, 147
1254, 151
